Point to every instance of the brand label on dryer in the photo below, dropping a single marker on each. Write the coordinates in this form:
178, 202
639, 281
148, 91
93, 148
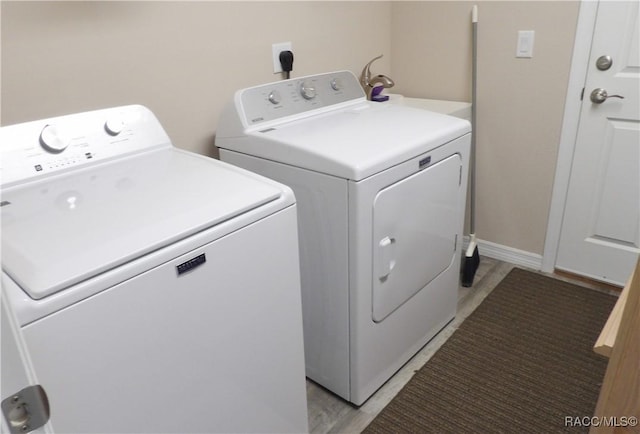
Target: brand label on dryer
424, 162
191, 264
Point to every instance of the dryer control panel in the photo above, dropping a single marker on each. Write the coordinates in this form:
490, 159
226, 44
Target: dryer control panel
276, 101
33, 149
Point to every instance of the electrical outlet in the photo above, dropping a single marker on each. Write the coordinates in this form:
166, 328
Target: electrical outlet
276, 49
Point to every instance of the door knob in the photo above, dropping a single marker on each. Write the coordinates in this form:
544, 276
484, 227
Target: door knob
599, 95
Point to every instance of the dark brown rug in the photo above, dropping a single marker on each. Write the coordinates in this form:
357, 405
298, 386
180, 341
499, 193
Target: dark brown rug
522, 362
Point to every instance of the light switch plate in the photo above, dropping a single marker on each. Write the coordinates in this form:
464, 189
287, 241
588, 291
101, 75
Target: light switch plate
525, 43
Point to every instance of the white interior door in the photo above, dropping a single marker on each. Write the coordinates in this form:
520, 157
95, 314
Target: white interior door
600, 235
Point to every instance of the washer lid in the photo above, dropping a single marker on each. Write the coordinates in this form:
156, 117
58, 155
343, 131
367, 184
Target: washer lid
355, 142
65, 229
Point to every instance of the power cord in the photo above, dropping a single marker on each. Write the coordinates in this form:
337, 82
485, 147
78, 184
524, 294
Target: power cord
286, 60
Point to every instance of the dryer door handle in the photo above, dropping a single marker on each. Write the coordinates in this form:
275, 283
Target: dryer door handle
386, 257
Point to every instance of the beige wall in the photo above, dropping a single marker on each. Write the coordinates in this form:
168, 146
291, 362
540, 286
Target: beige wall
185, 59
520, 101
431, 49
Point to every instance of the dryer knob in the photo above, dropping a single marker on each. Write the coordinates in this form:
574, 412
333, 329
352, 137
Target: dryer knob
274, 97
307, 90
53, 140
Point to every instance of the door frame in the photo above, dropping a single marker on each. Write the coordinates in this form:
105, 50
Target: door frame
570, 123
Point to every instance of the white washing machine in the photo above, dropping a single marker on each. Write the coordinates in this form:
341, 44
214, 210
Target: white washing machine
154, 290
381, 195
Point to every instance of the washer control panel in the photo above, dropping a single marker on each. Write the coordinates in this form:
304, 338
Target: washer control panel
33, 149
281, 99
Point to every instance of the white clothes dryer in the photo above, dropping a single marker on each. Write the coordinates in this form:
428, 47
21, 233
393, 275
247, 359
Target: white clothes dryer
154, 290
381, 193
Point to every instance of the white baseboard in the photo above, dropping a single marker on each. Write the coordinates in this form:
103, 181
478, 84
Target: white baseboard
507, 254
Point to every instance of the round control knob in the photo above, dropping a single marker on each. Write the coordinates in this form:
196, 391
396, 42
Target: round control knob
336, 84
114, 126
307, 90
53, 140
274, 97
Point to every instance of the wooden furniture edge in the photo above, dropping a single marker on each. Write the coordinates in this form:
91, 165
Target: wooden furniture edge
619, 400
604, 343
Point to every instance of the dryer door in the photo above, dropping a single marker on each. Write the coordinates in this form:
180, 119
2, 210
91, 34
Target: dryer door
415, 223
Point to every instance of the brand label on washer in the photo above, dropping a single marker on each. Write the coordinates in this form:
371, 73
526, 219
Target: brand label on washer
191, 264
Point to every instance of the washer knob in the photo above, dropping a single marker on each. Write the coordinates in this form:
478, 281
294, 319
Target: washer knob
307, 90
274, 97
114, 126
336, 84
52, 140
